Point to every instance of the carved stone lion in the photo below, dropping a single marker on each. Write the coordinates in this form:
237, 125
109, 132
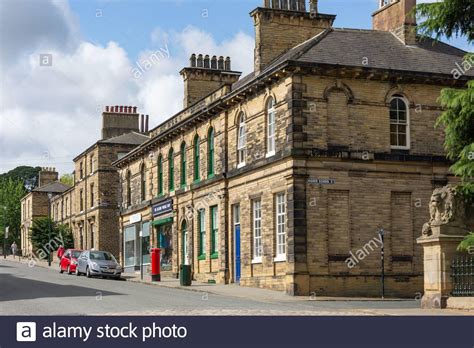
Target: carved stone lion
446, 207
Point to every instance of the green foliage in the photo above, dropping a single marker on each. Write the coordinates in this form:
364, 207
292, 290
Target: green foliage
46, 235
67, 179
447, 18
28, 175
458, 122
455, 18
467, 245
11, 191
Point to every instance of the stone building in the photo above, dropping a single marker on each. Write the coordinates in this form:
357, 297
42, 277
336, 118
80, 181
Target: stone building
36, 204
90, 207
282, 179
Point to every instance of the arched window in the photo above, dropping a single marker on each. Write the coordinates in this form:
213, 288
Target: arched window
171, 170
143, 182
160, 175
183, 164
271, 116
197, 175
241, 141
399, 123
210, 153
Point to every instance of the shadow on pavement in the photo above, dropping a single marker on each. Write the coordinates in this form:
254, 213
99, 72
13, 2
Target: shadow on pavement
14, 288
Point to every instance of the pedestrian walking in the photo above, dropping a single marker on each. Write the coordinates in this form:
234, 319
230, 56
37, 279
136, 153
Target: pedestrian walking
14, 249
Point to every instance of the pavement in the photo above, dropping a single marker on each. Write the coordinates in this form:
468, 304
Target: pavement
41, 290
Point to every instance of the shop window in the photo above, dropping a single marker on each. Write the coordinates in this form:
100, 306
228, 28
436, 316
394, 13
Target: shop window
129, 246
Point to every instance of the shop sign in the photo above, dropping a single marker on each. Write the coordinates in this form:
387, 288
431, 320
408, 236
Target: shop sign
163, 208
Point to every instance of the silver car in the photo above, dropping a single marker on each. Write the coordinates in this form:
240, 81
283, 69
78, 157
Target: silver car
98, 264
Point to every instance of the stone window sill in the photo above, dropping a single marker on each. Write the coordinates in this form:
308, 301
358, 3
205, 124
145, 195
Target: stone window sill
257, 260
270, 154
280, 258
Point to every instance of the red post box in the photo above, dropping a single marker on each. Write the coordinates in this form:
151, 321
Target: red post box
155, 265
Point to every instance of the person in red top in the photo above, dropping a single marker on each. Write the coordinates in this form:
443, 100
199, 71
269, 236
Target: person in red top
61, 252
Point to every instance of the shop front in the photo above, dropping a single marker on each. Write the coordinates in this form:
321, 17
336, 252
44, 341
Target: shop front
163, 233
136, 248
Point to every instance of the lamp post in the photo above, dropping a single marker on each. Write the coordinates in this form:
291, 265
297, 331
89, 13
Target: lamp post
382, 257
50, 195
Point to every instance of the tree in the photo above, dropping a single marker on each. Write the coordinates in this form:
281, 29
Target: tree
47, 236
67, 179
28, 175
447, 18
455, 18
11, 192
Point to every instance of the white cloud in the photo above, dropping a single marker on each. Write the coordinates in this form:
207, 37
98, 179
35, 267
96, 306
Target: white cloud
51, 114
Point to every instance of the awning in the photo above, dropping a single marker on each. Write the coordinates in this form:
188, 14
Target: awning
161, 222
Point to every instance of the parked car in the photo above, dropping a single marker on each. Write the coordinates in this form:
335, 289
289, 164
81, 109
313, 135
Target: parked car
98, 264
69, 261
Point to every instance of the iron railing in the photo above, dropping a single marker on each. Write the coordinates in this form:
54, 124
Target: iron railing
463, 276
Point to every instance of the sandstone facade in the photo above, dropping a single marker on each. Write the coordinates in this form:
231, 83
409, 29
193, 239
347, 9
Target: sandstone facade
310, 157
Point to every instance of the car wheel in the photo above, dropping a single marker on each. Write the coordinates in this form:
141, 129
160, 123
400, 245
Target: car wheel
88, 273
61, 269
117, 277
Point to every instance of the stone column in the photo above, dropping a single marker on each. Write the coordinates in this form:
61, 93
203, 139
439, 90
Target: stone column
439, 251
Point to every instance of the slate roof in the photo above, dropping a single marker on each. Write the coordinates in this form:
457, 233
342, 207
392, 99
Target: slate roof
349, 47
54, 187
132, 138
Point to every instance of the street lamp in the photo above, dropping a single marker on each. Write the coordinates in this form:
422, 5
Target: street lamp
50, 195
382, 257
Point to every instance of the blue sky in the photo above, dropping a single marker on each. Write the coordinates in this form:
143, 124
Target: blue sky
50, 114
130, 22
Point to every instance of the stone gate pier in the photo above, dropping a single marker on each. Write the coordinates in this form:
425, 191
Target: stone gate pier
451, 220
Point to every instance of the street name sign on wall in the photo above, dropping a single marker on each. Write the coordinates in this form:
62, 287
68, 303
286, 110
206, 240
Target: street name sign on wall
163, 208
321, 181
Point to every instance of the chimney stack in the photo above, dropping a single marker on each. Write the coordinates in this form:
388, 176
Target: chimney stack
205, 75
142, 123
289, 22
118, 120
395, 16
47, 176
